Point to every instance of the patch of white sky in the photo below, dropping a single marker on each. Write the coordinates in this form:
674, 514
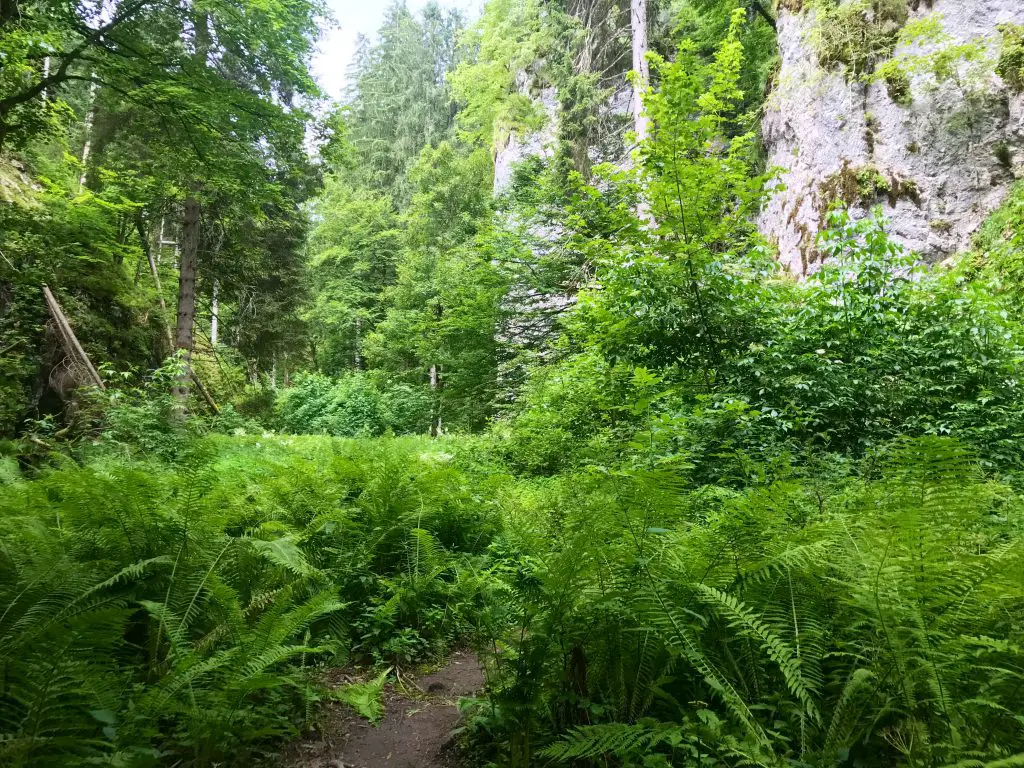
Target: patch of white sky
353, 18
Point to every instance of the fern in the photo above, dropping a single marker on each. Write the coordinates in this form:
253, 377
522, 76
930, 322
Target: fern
365, 698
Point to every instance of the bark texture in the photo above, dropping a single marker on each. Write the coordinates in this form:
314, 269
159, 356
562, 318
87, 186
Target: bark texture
183, 337
638, 22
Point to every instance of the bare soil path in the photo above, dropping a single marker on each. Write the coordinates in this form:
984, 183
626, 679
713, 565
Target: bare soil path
415, 732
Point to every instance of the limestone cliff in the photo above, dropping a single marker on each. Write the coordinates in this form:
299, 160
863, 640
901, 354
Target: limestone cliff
937, 152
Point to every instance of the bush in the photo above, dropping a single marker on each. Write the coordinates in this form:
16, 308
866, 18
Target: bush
353, 406
1011, 58
564, 418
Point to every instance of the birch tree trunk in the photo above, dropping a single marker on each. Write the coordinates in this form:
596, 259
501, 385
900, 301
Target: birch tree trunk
638, 22
214, 315
183, 338
641, 123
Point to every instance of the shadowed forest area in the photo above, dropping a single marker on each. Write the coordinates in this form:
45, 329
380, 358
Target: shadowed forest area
304, 403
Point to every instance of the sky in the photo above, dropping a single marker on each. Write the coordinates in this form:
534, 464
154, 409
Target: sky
356, 17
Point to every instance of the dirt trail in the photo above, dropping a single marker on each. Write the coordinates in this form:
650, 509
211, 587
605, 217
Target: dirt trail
414, 733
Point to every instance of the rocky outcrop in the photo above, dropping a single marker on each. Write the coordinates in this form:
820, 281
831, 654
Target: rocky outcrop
937, 154
517, 146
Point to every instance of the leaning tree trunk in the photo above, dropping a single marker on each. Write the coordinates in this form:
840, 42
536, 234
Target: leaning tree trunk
183, 338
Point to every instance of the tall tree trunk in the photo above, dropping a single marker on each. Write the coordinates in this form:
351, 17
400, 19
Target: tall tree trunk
358, 358
188, 252
214, 314
140, 226
435, 388
183, 339
90, 121
46, 75
638, 22
641, 123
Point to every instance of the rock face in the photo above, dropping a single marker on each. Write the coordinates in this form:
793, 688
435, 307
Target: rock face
541, 143
937, 164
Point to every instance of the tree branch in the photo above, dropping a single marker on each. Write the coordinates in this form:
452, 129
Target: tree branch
61, 74
763, 12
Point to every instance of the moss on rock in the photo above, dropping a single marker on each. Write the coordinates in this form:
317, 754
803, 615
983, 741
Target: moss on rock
1011, 58
859, 34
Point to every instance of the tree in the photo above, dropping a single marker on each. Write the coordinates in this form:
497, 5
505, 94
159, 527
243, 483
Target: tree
641, 68
354, 251
442, 311
400, 101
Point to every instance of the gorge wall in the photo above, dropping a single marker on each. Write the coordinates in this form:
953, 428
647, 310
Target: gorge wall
937, 143
938, 147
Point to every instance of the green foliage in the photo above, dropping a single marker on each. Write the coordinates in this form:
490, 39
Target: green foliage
400, 102
858, 34
1011, 56
352, 406
708, 22
443, 308
931, 52
1000, 243
365, 698
72, 243
724, 519
508, 39
794, 623
355, 248
566, 418
161, 613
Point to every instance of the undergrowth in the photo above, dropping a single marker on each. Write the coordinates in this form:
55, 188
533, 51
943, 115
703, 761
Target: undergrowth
174, 612
179, 611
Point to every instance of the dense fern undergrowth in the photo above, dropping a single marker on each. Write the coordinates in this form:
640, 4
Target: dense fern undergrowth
688, 511
179, 610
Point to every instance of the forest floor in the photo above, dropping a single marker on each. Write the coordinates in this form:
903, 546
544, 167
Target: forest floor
415, 732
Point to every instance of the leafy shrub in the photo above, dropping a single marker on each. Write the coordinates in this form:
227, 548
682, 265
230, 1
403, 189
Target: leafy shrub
406, 409
1011, 57
999, 246
352, 406
564, 419
875, 347
256, 402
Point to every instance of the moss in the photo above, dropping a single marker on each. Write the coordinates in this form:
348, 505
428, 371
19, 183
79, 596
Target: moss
999, 244
913, 148
859, 34
942, 226
1004, 155
1011, 57
15, 184
870, 124
897, 83
841, 186
864, 186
